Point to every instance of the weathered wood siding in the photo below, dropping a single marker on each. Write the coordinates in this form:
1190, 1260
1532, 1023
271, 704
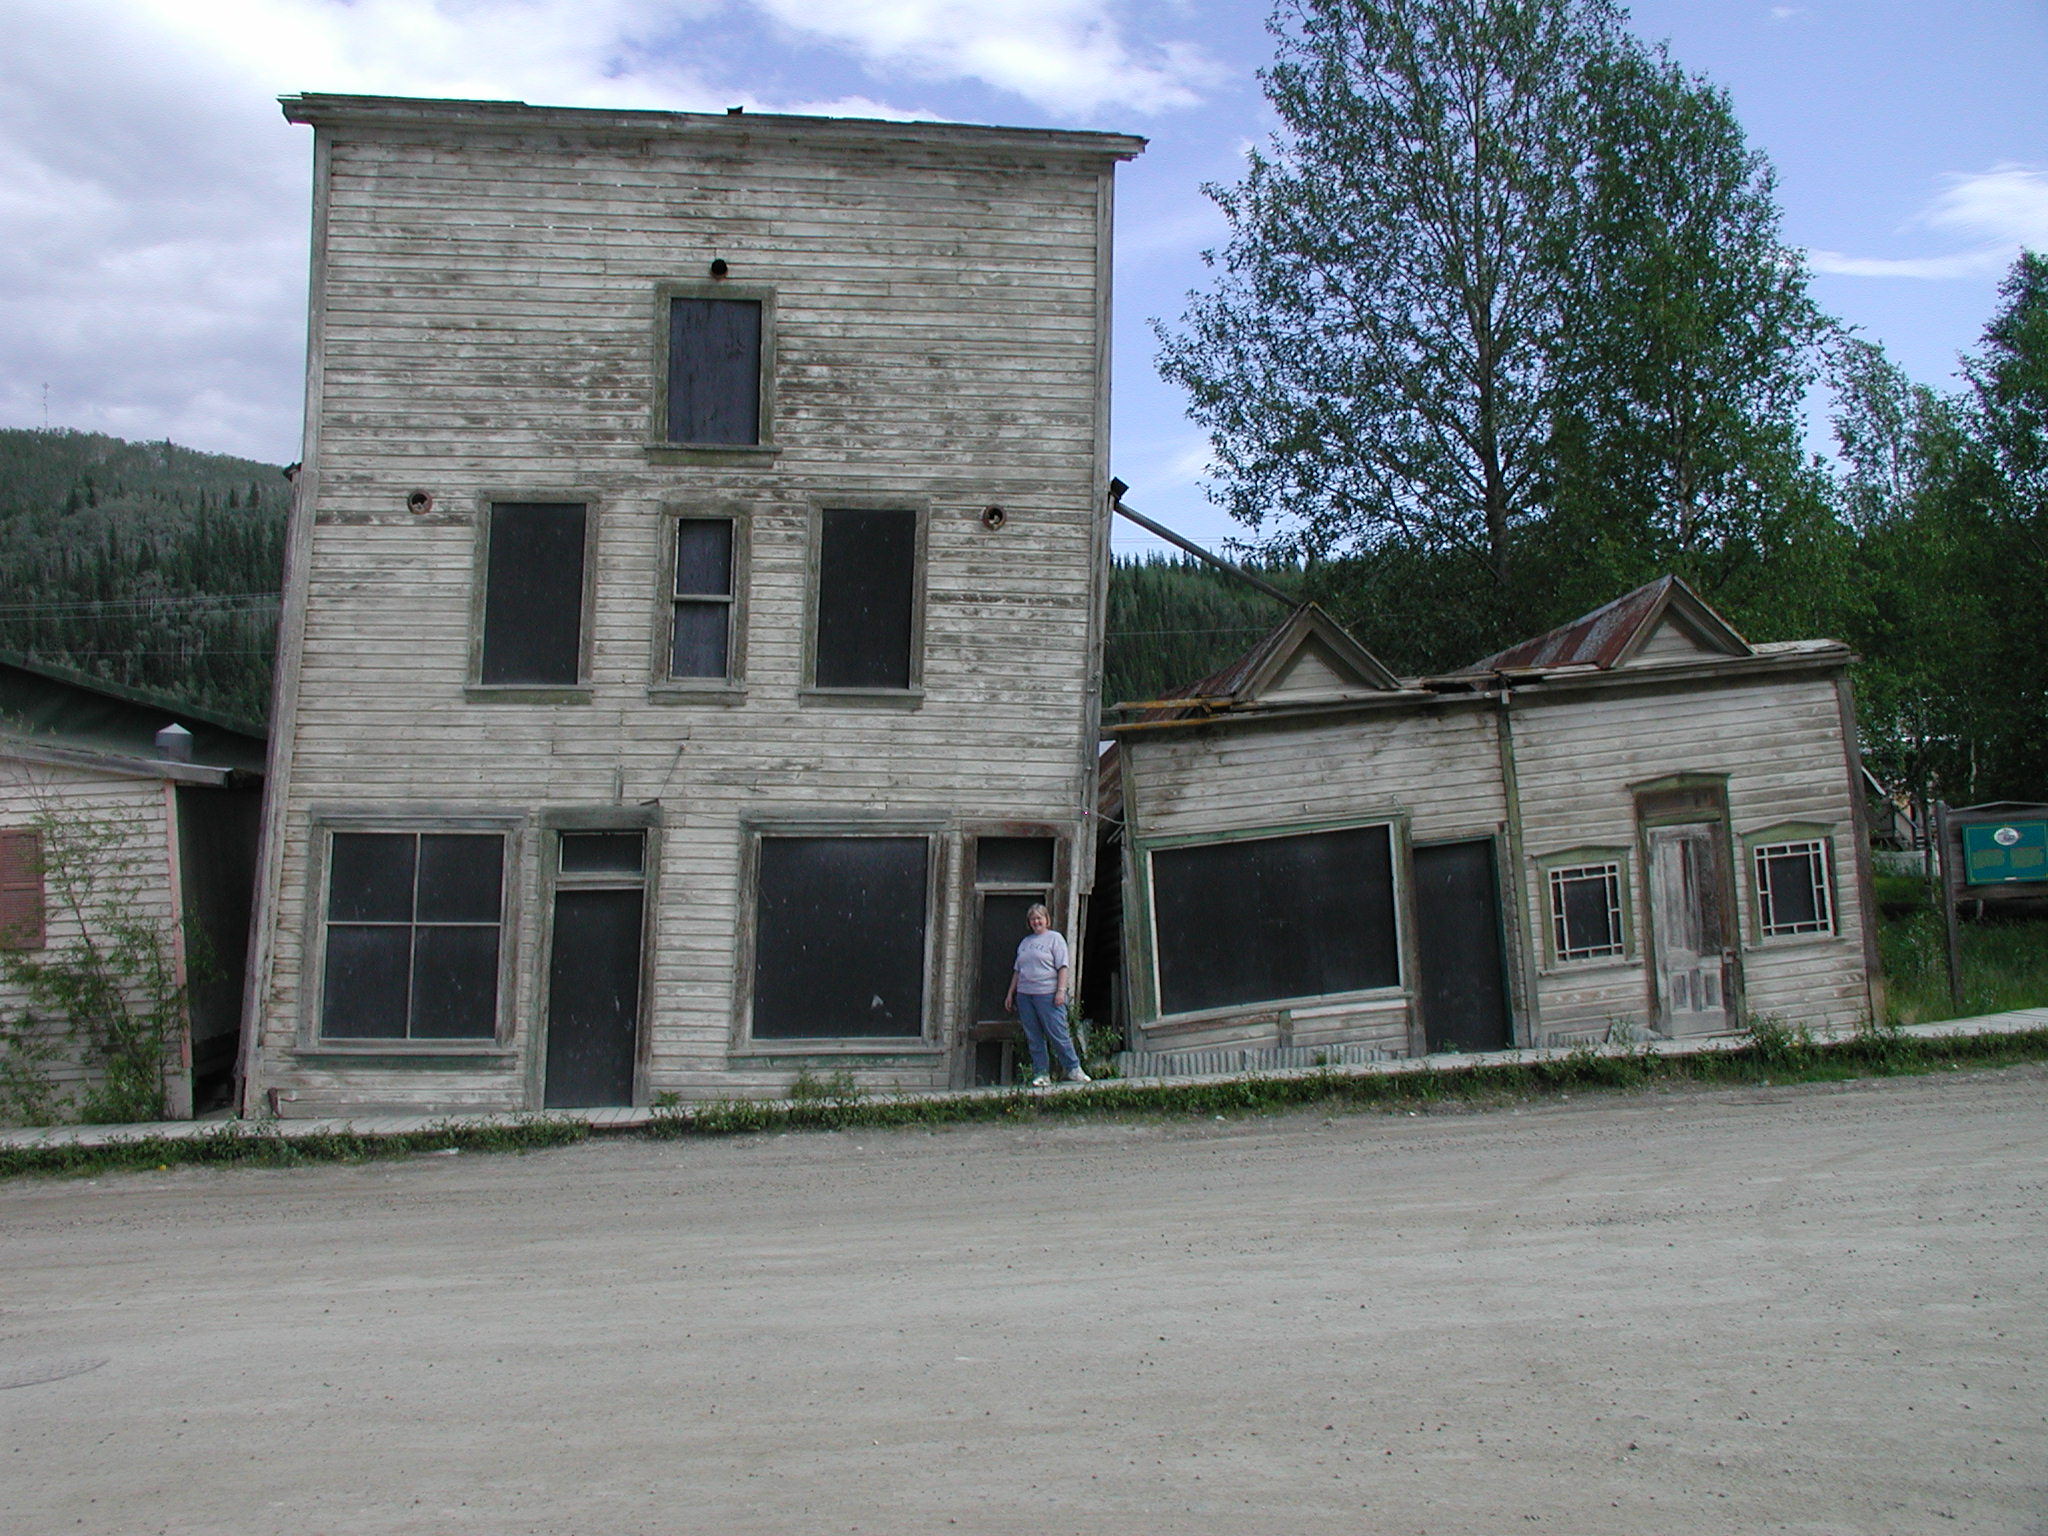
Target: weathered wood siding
135, 866
1779, 741
1433, 769
485, 308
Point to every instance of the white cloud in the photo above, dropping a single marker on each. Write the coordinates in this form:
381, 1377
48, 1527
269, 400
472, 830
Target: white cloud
2002, 210
1068, 56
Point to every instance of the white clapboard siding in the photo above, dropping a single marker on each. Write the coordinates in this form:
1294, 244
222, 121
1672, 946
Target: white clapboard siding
136, 870
1779, 740
485, 312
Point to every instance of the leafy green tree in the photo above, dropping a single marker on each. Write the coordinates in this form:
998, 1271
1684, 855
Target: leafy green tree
1688, 346
1505, 305
1372, 363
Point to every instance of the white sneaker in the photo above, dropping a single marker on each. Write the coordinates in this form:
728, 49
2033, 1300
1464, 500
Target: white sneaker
1078, 1076
1041, 1081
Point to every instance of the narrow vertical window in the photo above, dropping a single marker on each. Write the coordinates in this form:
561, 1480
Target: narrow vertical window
533, 595
714, 371
701, 627
412, 935
867, 599
21, 890
1793, 893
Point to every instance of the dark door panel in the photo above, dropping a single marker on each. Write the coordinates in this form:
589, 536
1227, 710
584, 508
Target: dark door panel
593, 999
1463, 986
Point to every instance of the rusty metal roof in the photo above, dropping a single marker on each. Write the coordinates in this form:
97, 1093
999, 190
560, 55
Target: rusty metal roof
1608, 635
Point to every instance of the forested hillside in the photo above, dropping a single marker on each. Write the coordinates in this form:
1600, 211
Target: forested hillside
1173, 622
145, 564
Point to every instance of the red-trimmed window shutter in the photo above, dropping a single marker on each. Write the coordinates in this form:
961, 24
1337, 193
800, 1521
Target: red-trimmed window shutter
21, 890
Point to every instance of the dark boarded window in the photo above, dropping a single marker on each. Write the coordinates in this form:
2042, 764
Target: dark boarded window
701, 636
839, 945
867, 598
412, 936
714, 371
21, 890
533, 595
1267, 918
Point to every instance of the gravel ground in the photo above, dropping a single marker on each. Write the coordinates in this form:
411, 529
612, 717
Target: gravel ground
1815, 1309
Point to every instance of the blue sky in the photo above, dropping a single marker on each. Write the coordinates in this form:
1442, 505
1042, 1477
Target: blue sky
153, 201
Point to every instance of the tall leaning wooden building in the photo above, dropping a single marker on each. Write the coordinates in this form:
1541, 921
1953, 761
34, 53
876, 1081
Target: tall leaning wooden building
694, 601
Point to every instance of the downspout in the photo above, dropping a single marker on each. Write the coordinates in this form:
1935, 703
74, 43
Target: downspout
1528, 1018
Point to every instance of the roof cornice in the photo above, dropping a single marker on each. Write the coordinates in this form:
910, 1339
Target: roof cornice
441, 116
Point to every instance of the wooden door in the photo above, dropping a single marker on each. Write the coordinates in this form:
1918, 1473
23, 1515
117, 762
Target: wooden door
1462, 988
594, 970
1689, 929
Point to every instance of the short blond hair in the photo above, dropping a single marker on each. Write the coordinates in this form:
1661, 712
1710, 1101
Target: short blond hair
1037, 909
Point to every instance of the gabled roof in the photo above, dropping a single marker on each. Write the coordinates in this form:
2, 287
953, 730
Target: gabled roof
1309, 657
1663, 621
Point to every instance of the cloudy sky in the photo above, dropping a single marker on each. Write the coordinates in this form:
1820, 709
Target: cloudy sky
153, 202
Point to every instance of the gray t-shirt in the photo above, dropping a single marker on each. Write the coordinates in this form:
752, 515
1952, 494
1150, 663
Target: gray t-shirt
1039, 959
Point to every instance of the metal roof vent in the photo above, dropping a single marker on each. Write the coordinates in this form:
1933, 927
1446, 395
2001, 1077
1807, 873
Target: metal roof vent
174, 744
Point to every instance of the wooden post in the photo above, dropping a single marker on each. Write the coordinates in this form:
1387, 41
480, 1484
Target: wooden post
1948, 907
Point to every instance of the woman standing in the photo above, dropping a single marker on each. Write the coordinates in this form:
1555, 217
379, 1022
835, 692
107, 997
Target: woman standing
1038, 991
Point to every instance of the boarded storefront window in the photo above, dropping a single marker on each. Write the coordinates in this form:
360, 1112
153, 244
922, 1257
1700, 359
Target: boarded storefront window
839, 945
412, 936
1268, 918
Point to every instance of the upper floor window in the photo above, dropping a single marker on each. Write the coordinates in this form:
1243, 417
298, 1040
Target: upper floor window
704, 605
533, 597
715, 373
868, 599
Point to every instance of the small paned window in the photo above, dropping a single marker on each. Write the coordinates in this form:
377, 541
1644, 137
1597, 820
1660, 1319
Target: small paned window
413, 924
700, 643
840, 937
533, 595
1585, 911
714, 371
21, 890
1792, 888
867, 599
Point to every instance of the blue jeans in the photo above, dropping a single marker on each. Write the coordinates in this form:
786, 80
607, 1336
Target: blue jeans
1046, 1020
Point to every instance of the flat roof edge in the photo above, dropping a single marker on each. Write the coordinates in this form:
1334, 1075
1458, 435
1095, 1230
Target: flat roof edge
322, 110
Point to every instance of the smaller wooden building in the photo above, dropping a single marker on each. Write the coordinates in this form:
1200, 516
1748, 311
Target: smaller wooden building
169, 826
1638, 824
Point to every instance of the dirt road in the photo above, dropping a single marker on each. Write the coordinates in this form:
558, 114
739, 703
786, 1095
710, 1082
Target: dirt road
1815, 1310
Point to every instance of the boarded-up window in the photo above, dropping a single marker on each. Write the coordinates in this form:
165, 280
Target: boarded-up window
1585, 911
839, 945
533, 595
21, 890
1792, 888
1269, 918
867, 598
412, 936
714, 371
701, 630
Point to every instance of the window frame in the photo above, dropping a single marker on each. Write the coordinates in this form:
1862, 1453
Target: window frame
665, 688
311, 1041
911, 694
476, 690
1784, 835
743, 1045
1400, 872
660, 448
1549, 866
20, 937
